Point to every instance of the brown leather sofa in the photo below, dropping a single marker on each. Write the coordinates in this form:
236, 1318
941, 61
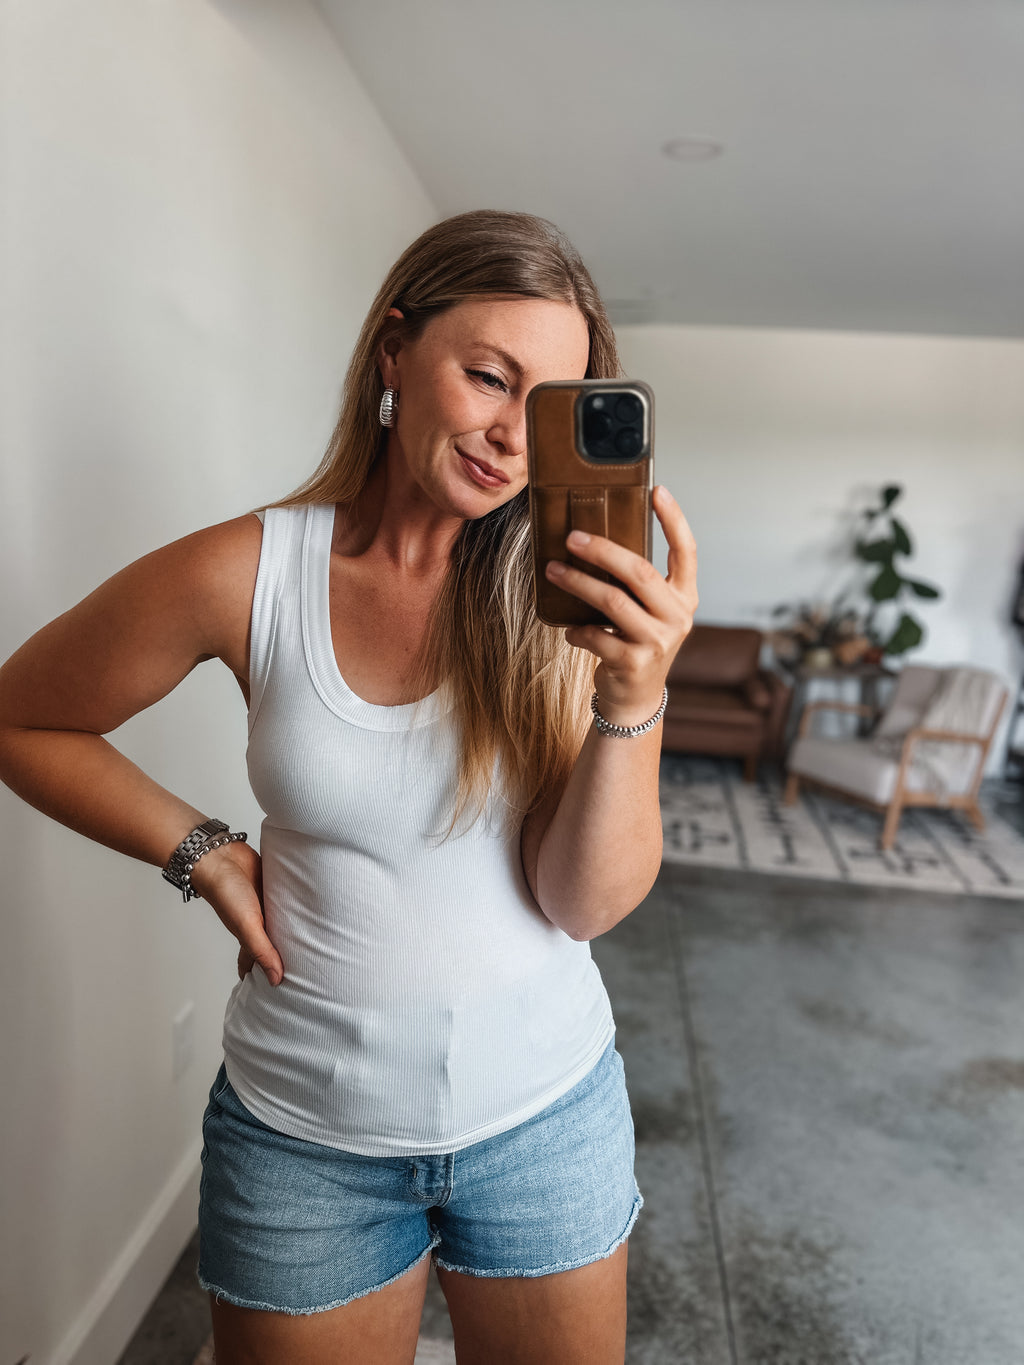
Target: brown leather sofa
721, 702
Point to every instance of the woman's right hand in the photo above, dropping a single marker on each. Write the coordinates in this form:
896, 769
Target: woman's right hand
231, 879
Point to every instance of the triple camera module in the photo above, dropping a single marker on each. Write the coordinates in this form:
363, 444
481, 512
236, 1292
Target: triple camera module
612, 425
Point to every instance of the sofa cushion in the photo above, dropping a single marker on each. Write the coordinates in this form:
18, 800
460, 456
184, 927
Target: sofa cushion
757, 694
711, 705
722, 656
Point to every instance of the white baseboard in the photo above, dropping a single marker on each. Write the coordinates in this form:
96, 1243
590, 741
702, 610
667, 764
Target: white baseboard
121, 1300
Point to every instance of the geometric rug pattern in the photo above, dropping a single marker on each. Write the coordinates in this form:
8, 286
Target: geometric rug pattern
712, 818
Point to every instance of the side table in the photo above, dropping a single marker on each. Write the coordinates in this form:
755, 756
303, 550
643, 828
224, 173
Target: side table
867, 675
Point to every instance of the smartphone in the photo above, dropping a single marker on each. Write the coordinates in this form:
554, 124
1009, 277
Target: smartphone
590, 454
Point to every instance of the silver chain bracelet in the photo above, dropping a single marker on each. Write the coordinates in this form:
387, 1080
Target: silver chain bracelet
203, 839
605, 727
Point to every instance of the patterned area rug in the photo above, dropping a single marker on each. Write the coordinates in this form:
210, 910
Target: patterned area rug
712, 818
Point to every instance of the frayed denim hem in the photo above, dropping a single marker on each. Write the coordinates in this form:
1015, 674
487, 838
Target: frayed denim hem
222, 1295
557, 1266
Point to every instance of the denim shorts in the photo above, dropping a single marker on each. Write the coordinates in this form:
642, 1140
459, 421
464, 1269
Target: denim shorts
293, 1226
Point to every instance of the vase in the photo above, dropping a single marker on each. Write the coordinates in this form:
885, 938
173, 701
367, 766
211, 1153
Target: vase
818, 658
850, 651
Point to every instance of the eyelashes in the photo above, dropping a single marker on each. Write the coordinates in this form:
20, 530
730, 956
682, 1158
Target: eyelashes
492, 381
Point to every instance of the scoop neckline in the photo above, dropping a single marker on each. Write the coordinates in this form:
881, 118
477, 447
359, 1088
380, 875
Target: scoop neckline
319, 644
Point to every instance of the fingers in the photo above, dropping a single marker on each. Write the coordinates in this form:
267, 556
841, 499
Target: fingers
629, 616
609, 647
232, 885
257, 947
627, 566
682, 546
663, 598
270, 960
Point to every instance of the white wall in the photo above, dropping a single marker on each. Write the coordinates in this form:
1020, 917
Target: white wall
773, 441
201, 203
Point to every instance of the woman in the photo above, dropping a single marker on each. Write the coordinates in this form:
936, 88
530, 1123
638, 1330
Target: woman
419, 1055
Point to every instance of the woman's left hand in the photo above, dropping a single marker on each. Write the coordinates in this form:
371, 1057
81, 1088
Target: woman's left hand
635, 655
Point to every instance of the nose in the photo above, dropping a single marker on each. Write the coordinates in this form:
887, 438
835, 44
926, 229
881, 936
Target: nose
508, 432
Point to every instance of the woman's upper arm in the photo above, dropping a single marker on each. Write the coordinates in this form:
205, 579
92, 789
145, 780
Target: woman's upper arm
132, 641
534, 827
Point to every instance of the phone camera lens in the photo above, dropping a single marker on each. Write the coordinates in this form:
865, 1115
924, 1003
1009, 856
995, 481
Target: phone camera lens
612, 424
597, 426
628, 409
629, 442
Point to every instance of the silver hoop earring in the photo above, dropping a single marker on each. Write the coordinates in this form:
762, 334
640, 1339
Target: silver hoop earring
388, 407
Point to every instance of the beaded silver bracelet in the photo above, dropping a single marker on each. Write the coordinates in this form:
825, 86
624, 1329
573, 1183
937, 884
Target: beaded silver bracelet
202, 840
605, 727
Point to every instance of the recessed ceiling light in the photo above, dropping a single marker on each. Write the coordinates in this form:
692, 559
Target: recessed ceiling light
692, 149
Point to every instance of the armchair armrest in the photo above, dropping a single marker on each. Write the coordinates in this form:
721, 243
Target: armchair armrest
953, 736
855, 707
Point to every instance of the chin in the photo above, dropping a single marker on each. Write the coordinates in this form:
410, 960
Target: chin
484, 506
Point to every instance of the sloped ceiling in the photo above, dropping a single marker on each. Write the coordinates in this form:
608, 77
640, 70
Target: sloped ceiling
872, 177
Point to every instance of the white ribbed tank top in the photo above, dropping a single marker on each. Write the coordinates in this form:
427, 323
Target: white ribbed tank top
427, 1003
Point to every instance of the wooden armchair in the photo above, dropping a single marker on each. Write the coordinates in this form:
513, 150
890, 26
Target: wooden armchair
915, 756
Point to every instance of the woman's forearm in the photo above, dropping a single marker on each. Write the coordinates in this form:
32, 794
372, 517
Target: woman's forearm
81, 780
592, 858
600, 852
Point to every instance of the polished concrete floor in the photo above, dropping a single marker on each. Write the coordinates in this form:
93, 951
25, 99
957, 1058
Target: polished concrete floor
828, 1092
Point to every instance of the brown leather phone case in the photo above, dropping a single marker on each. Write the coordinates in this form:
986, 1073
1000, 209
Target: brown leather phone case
569, 490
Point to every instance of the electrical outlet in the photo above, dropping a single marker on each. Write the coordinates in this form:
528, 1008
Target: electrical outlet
183, 1034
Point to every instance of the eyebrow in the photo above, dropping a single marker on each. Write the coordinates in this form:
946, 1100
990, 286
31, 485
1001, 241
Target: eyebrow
509, 360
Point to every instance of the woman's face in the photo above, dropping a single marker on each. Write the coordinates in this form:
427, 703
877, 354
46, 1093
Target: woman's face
462, 384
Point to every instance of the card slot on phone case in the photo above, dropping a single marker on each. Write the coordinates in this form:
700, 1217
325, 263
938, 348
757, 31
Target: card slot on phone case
617, 513
588, 511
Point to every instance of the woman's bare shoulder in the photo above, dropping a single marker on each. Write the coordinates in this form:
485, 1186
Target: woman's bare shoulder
215, 558
140, 632
206, 579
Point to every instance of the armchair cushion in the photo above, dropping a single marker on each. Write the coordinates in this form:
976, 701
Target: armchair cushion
853, 765
962, 700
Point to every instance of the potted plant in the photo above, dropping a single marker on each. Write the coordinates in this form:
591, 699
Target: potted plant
821, 633
889, 583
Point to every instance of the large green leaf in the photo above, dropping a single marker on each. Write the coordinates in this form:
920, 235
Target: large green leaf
922, 589
902, 537
886, 585
875, 551
890, 494
906, 635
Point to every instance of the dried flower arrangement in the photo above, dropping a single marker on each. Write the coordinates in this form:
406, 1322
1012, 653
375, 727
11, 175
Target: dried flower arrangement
820, 633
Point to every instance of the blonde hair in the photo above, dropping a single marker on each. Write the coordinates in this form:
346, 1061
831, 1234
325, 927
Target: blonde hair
520, 692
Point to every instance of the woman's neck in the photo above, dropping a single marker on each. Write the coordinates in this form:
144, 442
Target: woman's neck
392, 519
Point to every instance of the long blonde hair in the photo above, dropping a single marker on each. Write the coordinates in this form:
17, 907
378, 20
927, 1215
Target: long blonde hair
520, 692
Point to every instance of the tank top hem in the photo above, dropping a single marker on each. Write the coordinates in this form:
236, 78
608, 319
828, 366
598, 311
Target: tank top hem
391, 1147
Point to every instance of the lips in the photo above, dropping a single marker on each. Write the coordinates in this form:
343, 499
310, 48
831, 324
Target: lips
481, 472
